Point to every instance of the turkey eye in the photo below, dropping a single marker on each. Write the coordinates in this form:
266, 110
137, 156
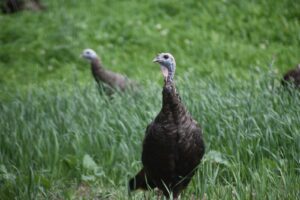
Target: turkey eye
88, 52
166, 56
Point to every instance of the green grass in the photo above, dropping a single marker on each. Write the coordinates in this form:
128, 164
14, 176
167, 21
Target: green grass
211, 38
53, 142
62, 139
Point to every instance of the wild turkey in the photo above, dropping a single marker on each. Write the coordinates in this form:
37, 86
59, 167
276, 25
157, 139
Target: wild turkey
11, 6
106, 78
292, 77
173, 146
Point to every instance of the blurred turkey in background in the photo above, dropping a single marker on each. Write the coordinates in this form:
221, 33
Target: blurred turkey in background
12, 6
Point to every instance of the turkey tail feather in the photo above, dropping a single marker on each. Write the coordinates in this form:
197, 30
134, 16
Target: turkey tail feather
140, 182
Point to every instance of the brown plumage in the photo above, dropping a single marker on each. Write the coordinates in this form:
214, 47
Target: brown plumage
11, 6
292, 77
110, 80
173, 146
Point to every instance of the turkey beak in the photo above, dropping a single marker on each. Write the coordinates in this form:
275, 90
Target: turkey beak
156, 60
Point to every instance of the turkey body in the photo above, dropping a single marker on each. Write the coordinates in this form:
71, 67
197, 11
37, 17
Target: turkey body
172, 149
293, 77
11, 6
108, 78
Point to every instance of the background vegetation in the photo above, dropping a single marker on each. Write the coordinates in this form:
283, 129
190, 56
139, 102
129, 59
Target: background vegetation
62, 139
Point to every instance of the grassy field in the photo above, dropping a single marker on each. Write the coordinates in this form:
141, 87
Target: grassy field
60, 138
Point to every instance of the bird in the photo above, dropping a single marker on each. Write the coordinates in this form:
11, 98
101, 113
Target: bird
110, 80
292, 77
173, 145
11, 6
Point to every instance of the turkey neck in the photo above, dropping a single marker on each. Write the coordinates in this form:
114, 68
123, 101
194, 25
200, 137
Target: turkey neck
171, 72
172, 102
98, 71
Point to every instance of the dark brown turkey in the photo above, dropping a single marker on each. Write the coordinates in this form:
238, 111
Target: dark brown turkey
173, 145
108, 79
11, 6
292, 77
